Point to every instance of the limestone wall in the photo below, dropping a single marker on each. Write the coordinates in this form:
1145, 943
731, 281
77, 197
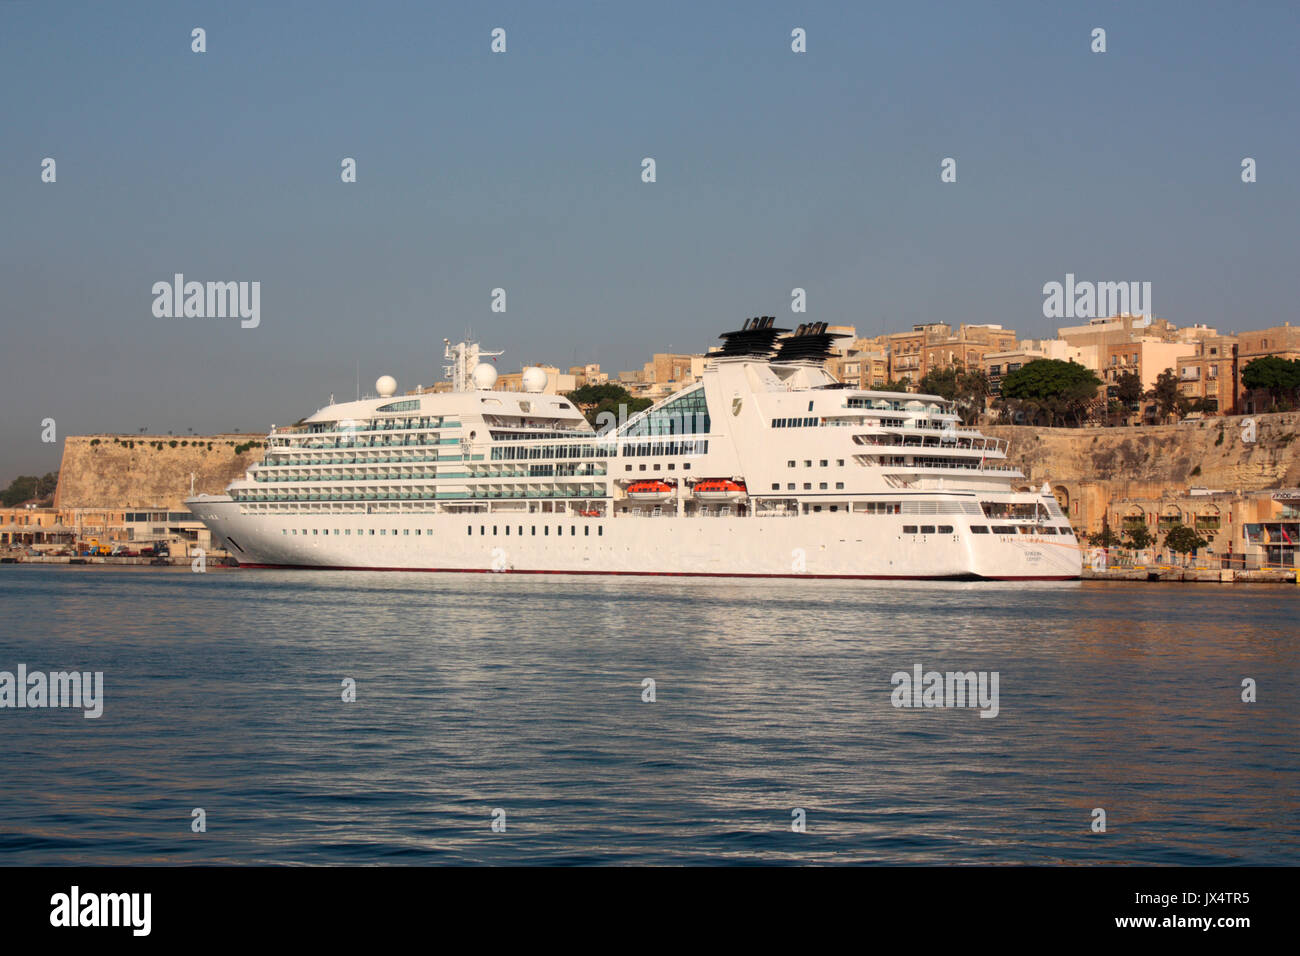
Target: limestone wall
149, 471
1147, 457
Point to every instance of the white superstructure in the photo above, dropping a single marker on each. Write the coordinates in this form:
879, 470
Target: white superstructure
767, 466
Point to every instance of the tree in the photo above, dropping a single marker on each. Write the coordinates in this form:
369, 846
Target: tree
1128, 387
1059, 390
967, 390
1184, 540
1168, 397
941, 382
1139, 537
28, 487
901, 385
594, 394
1105, 538
1279, 376
608, 397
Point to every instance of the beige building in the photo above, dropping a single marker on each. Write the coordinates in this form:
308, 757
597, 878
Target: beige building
557, 382
934, 345
1147, 356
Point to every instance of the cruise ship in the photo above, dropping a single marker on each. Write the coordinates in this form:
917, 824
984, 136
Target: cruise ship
767, 466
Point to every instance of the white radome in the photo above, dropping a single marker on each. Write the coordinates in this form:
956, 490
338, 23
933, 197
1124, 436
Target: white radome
385, 386
534, 379
485, 375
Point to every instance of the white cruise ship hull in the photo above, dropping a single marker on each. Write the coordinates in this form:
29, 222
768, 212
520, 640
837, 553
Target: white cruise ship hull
821, 545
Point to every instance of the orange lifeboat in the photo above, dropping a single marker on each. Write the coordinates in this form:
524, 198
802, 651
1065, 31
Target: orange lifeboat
649, 490
720, 489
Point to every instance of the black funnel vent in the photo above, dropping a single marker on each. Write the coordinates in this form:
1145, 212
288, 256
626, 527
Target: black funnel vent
756, 337
810, 342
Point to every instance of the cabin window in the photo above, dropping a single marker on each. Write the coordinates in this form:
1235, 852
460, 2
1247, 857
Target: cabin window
825, 463
586, 530
789, 464
979, 529
945, 529
790, 486
776, 486
927, 529
839, 486
909, 529
807, 486
468, 529
821, 486
600, 530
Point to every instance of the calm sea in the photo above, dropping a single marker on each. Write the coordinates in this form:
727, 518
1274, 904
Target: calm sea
524, 694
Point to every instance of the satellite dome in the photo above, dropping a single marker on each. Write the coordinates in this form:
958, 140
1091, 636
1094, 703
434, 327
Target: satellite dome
385, 385
485, 375
534, 379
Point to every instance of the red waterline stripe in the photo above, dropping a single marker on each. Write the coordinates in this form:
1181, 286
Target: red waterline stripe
688, 574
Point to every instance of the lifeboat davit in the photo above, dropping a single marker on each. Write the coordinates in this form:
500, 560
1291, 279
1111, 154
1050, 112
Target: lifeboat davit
649, 490
720, 489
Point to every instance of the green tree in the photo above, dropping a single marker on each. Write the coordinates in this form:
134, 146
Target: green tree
1169, 399
1105, 538
941, 382
607, 397
901, 385
1139, 537
593, 394
1128, 387
1279, 376
26, 488
1184, 540
1057, 390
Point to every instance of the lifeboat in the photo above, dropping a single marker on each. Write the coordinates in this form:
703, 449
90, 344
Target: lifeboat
649, 490
719, 489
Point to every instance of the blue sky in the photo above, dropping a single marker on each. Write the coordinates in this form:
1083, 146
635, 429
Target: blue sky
522, 171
